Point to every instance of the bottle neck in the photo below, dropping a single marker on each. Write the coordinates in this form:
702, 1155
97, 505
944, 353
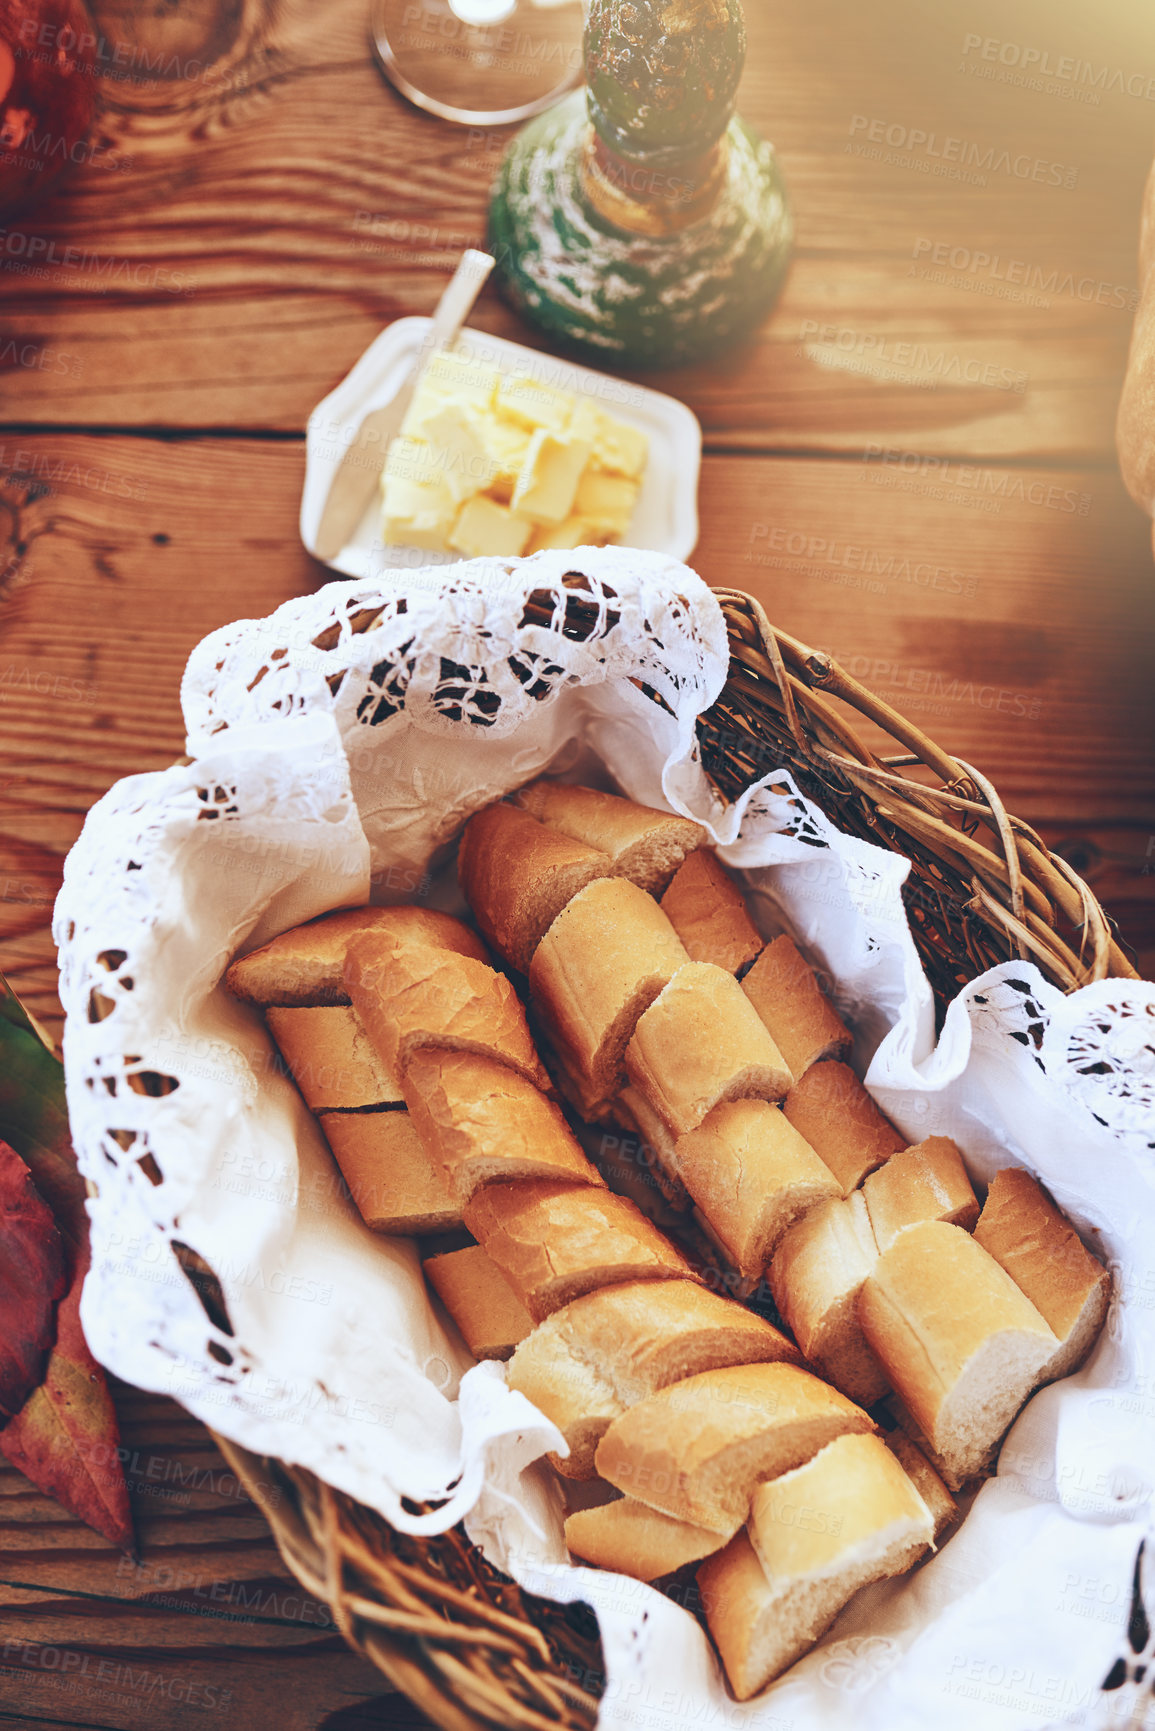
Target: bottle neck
658, 194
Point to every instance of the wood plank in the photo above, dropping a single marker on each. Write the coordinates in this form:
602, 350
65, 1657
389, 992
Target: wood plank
205, 1620
281, 207
1010, 612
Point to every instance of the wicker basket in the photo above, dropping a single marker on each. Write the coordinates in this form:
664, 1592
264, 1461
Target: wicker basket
460, 1639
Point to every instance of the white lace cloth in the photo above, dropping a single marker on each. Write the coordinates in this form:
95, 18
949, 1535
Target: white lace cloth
337, 747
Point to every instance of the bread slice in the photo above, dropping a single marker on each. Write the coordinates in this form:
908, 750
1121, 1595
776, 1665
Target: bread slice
304, 966
634, 1540
963, 1347
751, 1175
708, 911
830, 1107
926, 1182
482, 1123
816, 1536
815, 1276
697, 1450
601, 963
587, 1363
645, 845
392, 1179
517, 876
928, 1484
491, 1317
331, 1057
554, 1242
700, 1042
803, 1023
1047, 1260
414, 998
656, 1147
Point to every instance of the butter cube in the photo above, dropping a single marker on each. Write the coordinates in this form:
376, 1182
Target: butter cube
586, 422
418, 513
549, 477
418, 499
406, 532
486, 527
462, 379
530, 404
620, 448
425, 402
607, 500
456, 439
411, 460
505, 447
574, 532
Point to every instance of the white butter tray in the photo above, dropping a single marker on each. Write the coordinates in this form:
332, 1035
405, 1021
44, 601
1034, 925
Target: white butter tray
666, 515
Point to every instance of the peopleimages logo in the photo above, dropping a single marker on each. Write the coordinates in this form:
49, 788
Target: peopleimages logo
959, 158
1064, 68
1017, 272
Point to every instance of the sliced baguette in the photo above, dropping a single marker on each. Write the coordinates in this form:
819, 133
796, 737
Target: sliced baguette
926, 1481
646, 846
554, 1242
415, 998
962, 1346
708, 911
391, 1178
751, 1175
656, 1147
697, 1450
331, 1057
700, 1042
830, 1107
304, 966
816, 1536
926, 1182
803, 1023
491, 1317
517, 876
632, 1539
602, 962
1047, 1260
482, 1123
587, 1363
816, 1275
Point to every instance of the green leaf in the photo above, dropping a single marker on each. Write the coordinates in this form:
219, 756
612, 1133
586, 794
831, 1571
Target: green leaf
34, 1116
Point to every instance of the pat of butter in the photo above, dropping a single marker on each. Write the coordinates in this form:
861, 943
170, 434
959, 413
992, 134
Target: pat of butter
530, 404
574, 532
505, 446
486, 527
457, 443
417, 512
461, 378
411, 532
607, 500
618, 448
412, 500
549, 477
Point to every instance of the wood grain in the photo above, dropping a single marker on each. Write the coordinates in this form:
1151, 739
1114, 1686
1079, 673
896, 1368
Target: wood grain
248, 229
205, 1623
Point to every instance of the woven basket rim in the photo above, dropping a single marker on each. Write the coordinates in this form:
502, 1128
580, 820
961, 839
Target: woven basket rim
482, 1654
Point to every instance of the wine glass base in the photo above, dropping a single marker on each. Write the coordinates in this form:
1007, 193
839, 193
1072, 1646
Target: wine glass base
520, 65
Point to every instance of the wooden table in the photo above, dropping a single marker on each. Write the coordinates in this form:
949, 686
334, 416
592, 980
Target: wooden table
912, 467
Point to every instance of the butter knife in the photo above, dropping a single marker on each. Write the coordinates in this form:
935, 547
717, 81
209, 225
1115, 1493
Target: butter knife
359, 474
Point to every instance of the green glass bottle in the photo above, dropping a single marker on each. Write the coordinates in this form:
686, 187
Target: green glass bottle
641, 220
